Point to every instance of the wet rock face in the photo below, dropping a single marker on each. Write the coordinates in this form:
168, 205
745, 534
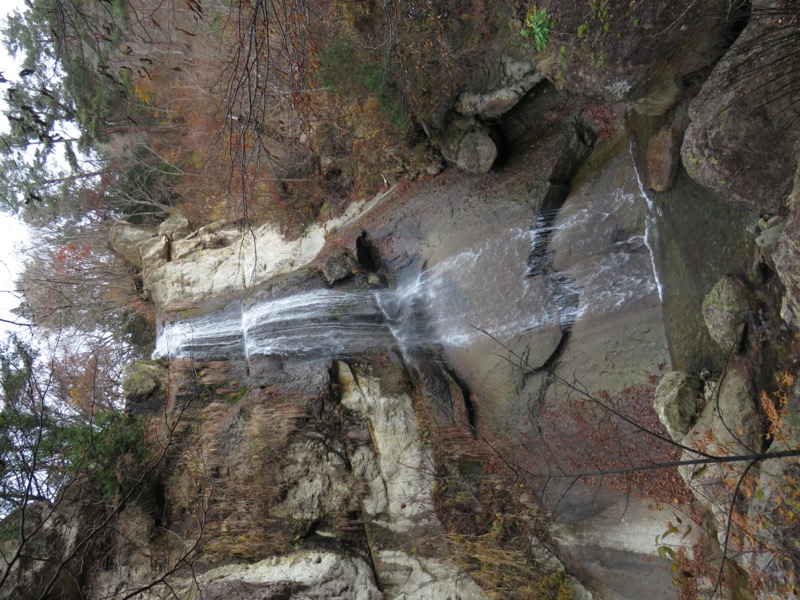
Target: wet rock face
637, 54
741, 139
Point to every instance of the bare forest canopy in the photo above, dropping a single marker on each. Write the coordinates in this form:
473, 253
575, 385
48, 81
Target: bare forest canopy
133, 107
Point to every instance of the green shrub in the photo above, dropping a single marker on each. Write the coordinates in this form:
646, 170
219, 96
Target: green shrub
105, 449
354, 73
538, 26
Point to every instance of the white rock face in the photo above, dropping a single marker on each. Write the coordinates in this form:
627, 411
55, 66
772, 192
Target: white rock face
316, 575
219, 258
400, 476
202, 271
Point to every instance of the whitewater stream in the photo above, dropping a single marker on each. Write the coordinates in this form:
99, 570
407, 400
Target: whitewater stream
504, 286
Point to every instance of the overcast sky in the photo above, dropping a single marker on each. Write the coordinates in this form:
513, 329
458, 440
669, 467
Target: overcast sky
13, 234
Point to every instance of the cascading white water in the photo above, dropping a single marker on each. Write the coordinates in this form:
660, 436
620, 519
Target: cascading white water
320, 322
490, 286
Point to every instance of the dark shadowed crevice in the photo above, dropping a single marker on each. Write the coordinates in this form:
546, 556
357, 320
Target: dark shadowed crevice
366, 254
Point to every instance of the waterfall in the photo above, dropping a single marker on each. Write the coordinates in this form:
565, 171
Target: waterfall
572, 262
486, 288
316, 323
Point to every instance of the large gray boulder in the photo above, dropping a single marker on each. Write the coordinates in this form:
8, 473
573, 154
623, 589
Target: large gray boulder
786, 255
676, 402
741, 139
338, 265
725, 310
469, 145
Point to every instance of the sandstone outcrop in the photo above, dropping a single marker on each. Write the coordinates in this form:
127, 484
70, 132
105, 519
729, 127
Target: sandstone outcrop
515, 78
663, 157
180, 271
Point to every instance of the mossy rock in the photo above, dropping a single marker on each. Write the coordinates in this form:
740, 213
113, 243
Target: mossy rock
141, 379
725, 309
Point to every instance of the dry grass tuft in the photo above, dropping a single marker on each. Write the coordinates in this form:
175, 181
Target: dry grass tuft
506, 572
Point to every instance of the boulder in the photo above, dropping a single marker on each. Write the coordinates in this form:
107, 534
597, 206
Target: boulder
338, 265
771, 232
740, 142
676, 401
725, 309
663, 156
143, 386
469, 145
786, 256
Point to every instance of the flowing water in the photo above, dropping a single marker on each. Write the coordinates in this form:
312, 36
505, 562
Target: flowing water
503, 286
